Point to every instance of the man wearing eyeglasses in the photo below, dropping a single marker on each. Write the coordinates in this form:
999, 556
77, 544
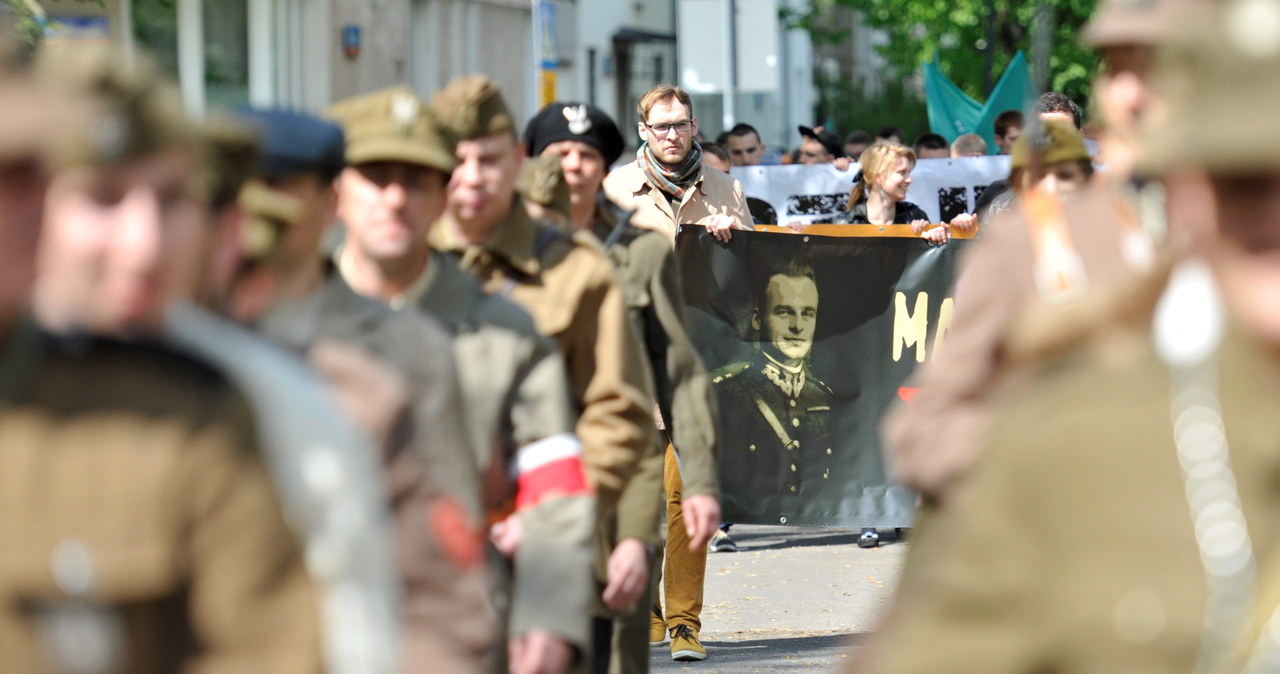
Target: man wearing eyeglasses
668, 185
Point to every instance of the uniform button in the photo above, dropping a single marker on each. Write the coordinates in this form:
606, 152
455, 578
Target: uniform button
793, 467
828, 451
793, 403
793, 489
751, 448
795, 422
72, 566
826, 473
322, 470
1140, 616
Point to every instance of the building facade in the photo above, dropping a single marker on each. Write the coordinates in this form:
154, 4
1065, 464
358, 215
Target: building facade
305, 54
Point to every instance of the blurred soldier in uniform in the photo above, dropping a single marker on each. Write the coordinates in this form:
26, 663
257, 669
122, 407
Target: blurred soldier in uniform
127, 239
1160, 443
584, 142
517, 402
142, 529
287, 292
567, 285
1098, 234
781, 431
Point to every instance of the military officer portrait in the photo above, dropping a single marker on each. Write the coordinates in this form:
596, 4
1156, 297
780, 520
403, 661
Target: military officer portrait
774, 411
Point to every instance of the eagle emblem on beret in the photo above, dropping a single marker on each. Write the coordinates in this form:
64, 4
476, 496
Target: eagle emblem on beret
576, 115
404, 110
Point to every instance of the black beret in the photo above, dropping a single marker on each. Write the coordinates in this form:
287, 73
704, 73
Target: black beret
293, 142
574, 121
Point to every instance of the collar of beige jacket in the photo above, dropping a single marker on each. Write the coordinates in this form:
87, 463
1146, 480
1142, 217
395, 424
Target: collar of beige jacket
513, 241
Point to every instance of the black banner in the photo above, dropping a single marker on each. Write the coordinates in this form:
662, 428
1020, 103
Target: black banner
808, 339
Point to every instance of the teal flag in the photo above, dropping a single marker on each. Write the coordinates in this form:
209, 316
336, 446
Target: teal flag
953, 112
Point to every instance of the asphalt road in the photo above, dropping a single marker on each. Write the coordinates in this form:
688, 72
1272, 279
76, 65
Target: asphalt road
790, 600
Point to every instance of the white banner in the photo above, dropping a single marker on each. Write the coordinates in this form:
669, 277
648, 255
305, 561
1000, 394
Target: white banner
944, 188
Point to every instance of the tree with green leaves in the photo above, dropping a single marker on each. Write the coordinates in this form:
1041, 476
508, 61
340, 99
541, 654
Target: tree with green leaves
22, 18
966, 36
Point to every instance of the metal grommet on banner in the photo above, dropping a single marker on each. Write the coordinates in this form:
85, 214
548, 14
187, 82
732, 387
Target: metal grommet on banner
782, 520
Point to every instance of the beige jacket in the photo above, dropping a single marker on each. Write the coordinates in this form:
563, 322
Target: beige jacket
714, 193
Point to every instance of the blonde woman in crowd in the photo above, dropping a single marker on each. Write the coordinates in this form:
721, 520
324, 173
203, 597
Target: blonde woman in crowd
879, 195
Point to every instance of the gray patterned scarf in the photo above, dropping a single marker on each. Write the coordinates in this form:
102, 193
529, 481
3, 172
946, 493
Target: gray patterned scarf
673, 182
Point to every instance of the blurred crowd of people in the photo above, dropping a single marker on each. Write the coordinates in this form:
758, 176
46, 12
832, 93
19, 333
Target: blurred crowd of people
433, 440
447, 435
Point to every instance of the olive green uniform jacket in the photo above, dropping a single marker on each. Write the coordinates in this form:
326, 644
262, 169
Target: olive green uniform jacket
429, 466
137, 504
518, 405
650, 279
1070, 546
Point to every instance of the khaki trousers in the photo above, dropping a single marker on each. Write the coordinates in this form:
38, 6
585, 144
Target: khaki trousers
683, 571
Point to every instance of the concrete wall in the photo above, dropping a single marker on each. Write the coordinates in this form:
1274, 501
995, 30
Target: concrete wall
384, 58
460, 37
596, 23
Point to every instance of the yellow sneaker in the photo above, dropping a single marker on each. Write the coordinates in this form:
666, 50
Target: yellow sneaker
657, 630
685, 646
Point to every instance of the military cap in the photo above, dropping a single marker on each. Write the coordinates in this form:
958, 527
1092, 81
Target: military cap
268, 213
472, 107
574, 121
137, 110
1220, 95
231, 154
1057, 141
393, 124
29, 111
828, 138
294, 142
1142, 22
14, 49
542, 182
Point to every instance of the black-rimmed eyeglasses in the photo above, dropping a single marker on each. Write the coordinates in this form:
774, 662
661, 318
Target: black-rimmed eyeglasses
681, 127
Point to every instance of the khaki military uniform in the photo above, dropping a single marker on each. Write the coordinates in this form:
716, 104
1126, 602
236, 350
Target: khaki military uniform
713, 193
314, 447
1070, 546
430, 470
140, 515
517, 401
518, 408
566, 284
931, 441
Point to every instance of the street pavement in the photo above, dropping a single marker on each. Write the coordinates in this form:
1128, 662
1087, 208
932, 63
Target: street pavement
790, 600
